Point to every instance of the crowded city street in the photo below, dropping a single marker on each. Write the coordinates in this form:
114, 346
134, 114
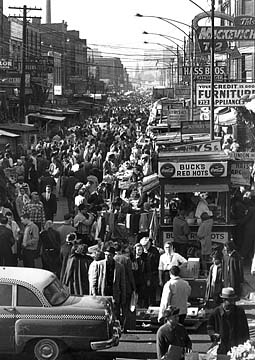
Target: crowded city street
127, 181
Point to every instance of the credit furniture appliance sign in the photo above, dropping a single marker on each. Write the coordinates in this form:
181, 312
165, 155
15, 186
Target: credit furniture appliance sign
193, 169
225, 94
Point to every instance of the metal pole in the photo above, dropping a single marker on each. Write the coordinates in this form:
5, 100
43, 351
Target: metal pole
212, 73
191, 73
23, 67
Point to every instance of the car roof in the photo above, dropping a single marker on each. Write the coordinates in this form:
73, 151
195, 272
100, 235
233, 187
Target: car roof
36, 277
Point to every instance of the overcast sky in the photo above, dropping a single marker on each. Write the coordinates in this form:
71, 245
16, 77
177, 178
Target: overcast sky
111, 25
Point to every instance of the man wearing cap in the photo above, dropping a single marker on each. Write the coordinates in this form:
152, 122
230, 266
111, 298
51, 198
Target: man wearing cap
228, 323
172, 333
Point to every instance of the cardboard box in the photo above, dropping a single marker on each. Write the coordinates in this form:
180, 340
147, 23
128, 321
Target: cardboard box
190, 269
193, 267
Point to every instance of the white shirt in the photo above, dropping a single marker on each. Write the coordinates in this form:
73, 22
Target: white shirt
176, 292
166, 261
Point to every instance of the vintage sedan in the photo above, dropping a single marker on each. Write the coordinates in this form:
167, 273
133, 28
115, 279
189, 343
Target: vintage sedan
40, 317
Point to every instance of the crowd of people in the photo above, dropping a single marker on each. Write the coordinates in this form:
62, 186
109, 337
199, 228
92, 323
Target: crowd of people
107, 241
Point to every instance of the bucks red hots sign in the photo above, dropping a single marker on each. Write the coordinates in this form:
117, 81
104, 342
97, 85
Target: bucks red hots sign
192, 169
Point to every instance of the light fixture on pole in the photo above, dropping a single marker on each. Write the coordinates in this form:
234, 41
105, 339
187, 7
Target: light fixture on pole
170, 38
168, 48
190, 37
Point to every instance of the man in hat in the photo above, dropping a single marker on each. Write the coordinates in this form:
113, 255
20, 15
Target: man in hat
108, 279
228, 323
172, 334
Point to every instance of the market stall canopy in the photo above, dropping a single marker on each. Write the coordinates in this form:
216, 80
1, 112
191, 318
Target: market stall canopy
48, 117
150, 182
250, 105
225, 116
8, 134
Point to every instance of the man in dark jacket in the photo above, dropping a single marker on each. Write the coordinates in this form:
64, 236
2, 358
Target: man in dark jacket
130, 283
228, 323
153, 257
6, 242
68, 191
49, 201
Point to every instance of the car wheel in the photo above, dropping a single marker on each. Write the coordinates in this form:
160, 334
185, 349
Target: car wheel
46, 349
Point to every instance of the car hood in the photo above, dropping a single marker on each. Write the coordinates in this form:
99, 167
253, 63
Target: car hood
89, 302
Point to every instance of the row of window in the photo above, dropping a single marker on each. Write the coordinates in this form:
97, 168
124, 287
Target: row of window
25, 297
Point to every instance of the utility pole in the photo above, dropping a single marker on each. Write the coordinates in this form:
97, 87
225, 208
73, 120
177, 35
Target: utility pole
22, 94
212, 71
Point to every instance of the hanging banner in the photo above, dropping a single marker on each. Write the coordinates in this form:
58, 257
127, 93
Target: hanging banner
225, 94
241, 173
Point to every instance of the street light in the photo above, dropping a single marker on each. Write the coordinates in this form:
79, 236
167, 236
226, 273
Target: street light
163, 45
172, 22
170, 38
170, 62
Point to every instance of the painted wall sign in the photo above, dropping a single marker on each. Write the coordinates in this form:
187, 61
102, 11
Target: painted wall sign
225, 94
242, 155
192, 169
199, 146
202, 73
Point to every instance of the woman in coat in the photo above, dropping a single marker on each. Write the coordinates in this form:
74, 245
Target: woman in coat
142, 274
232, 268
76, 276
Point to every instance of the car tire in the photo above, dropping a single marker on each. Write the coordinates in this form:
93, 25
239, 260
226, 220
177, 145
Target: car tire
46, 349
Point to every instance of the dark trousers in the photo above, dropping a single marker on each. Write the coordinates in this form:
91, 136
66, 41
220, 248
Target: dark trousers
182, 318
70, 204
151, 291
28, 257
181, 248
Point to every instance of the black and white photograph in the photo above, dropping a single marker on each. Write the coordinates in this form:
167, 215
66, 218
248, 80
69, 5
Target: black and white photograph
127, 180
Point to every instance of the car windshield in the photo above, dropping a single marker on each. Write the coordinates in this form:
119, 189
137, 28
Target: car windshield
55, 293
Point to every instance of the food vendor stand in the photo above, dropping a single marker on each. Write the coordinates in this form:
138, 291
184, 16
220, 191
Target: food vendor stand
184, 176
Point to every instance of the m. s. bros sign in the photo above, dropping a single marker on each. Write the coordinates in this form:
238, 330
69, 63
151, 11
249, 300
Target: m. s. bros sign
225, 94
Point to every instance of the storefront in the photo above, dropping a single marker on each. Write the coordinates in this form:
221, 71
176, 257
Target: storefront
193, 179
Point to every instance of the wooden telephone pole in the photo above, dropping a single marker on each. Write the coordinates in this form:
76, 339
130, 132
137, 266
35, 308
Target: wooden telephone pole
22, 94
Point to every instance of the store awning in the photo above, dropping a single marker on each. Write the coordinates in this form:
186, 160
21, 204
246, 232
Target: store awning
8, 134
173, 188
48, 117
150, 182
225, 116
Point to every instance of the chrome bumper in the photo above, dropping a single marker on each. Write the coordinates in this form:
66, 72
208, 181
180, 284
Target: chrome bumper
114, 341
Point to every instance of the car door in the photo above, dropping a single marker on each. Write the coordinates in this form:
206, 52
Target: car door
7, 319
27, 303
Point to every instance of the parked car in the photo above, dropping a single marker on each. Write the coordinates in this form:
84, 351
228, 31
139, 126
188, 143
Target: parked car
40, 317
